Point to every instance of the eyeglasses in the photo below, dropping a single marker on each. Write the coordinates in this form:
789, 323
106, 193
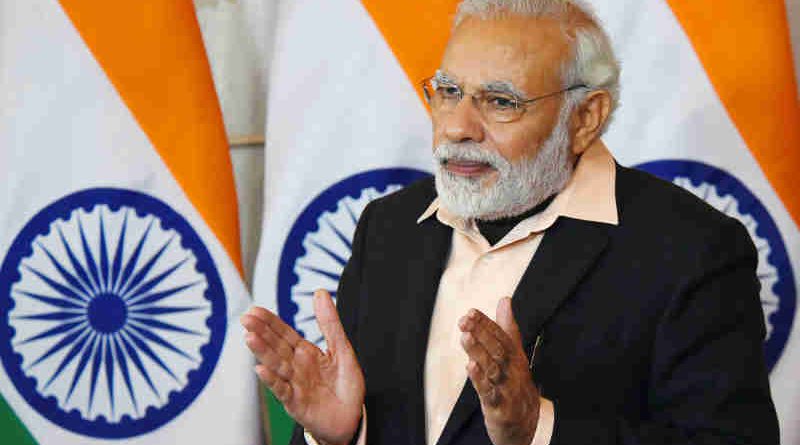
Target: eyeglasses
444, 96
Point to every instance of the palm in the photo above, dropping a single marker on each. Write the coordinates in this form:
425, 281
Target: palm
322, 391
328, 391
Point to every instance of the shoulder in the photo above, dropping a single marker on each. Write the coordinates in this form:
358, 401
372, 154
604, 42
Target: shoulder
674, 218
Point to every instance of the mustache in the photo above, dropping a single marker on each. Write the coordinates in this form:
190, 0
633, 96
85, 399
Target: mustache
467, 152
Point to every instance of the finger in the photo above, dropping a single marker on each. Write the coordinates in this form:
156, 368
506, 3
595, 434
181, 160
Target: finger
276, 324
251, 323
269, 357
490, 368
280, 387
506, 321
258, 327
486, 333
329, 323
487, 393
478, 320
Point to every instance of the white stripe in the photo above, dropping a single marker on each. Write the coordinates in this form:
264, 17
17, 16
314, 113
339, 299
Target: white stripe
63, 128
339, 103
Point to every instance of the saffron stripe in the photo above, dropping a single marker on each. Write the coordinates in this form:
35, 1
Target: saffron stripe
153, 54
746, 52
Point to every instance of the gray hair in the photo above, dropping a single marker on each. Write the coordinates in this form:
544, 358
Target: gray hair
593, 62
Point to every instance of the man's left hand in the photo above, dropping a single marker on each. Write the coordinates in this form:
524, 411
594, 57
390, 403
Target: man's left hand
498, 369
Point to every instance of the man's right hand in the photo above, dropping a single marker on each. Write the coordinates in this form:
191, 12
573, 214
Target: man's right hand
322, 391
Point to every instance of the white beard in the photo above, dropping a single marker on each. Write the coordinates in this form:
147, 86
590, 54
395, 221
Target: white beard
519, 187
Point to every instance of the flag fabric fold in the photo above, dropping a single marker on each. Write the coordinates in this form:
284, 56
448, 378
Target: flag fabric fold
120, 284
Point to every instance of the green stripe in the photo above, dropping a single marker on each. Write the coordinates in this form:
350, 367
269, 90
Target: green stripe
281, 425
12, 431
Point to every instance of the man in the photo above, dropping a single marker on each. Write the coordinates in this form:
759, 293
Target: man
634, 314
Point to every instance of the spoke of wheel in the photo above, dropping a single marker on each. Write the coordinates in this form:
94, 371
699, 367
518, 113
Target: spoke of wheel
52, 301
72, 280
332, 275
153, 282
133, 260
83, 274
163, 325
131, 350
351, 213
53, 316
116, 265
63, 343
55, 330
104, 261
73, 352
142, 273
165, 310
87, 354
342, 237
56, 286
333, 255
140, 343
157, 339
122, 362
87, 253
158, 296
97, 362
109, 368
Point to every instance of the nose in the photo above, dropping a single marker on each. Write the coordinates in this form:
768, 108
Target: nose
463, 123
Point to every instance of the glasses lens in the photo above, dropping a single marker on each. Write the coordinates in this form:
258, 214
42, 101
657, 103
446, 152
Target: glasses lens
500, 107
441, 96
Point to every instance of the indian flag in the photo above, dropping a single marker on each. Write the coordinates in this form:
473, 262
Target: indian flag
120, 284
709, 102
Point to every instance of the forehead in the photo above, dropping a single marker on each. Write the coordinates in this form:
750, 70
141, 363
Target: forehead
526, 52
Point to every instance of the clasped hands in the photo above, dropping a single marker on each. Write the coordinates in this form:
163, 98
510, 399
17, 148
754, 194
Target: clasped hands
324, 391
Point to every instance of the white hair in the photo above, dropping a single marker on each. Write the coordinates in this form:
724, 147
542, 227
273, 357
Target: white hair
593, 62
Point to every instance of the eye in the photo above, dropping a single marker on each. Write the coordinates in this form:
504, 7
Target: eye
448, 91
501, 102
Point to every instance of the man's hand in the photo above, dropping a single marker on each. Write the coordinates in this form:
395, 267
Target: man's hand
498, 369
324, 392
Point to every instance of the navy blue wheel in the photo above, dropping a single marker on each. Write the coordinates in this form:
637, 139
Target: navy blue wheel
319, 243
112, 313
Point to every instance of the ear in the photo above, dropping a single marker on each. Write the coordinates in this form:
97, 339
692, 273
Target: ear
589, 120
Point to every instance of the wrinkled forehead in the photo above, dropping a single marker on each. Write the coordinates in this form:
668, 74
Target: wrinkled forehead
527, 53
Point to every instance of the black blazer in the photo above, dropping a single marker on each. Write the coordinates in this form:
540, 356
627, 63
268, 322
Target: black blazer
651, 330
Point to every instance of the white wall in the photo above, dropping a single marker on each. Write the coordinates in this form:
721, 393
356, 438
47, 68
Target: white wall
237, 38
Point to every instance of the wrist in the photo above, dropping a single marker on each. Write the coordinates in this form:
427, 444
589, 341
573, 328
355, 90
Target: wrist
347, 439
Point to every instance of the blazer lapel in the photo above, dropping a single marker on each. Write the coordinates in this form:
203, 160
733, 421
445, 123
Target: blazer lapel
568, 250
424, 268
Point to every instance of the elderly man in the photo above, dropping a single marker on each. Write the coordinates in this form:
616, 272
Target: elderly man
633, 314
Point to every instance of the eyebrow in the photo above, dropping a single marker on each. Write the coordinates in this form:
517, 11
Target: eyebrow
443, 77
496, 86
505, 87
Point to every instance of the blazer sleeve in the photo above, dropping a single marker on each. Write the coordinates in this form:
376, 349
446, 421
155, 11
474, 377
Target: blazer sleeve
708, 380
348, 295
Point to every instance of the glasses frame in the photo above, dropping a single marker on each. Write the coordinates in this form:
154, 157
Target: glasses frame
523, 104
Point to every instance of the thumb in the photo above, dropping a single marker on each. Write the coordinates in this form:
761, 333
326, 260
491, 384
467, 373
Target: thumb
328, 320
505, 318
